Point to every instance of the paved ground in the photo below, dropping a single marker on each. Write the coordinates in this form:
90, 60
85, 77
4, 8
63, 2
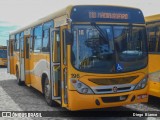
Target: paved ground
23, 98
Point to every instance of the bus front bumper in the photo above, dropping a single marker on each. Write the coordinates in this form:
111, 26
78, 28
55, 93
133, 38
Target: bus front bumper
77, 101
154, 88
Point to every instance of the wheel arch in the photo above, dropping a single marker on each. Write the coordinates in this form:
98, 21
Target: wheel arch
44, 76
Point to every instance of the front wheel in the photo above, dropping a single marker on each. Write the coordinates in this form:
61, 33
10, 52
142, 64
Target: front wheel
48, 93
19, 82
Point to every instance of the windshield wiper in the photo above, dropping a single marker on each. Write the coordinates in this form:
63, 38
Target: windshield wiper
100, 31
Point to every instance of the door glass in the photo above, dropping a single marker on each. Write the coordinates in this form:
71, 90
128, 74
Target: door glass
11, 43
56, 48
64, 48
158, 37
27, 48
22, 47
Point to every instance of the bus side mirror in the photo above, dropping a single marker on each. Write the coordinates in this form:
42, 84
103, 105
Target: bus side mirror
68, 37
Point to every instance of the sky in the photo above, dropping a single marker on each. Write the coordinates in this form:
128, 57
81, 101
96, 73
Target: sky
17, 13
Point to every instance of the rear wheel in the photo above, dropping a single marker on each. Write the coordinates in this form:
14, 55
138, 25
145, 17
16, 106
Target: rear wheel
48, 93
19, 82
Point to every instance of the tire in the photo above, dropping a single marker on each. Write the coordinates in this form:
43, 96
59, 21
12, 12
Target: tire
19, 82
48, 93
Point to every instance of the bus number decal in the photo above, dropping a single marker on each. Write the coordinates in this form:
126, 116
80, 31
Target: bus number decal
75, 75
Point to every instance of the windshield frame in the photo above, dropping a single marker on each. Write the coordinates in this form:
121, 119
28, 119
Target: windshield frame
130, 26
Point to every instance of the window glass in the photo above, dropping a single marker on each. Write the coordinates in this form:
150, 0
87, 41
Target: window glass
38, 38
158, 37
93, 48
3, 53
22, 41
151, 39
31, 40
45, 46
17, 43
113, 48
48, 25
45, 42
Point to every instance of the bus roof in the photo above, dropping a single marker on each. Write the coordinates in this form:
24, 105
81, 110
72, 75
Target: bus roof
44, 19
62, 12
152, 18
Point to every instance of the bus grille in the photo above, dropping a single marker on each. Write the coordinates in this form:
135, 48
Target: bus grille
113, 81
114, 99
113, 88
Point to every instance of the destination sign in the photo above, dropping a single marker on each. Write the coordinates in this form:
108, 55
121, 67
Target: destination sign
106, 14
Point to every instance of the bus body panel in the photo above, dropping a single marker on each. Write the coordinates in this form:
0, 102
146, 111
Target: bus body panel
3, 55
153, 23
40, 64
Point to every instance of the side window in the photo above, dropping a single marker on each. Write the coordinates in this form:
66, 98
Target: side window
45, 40
22, 41
158, 37
38, 38
45, 44
17, 42
31, 41
152, 39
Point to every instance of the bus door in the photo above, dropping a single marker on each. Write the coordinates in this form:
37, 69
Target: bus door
22, 57
58, 64
11, 60
55, 74
27, 44
8, 57
64, 66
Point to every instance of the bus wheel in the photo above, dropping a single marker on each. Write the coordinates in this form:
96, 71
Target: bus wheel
18, 78
48, 93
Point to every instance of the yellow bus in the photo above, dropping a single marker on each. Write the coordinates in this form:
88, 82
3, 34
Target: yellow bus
84, 56
153, 32
3, 55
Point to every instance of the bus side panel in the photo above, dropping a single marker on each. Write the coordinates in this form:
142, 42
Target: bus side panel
16, 61
154, 75
11, 57
40, 64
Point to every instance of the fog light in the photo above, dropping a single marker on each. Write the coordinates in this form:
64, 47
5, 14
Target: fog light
142, 96
123, 97
139, 97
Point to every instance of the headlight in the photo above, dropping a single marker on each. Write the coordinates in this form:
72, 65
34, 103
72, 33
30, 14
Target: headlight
81, 87
141, 84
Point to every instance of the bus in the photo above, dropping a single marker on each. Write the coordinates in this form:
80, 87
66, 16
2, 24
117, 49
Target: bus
84, 56
153, 32
3, 55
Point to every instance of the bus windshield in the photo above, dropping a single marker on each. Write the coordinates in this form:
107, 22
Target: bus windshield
109, 48
3, 53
